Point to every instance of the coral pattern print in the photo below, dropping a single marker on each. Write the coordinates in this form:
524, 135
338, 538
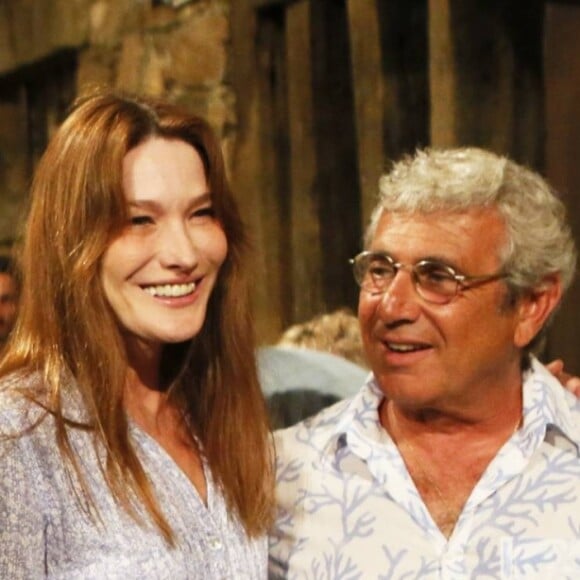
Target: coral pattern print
349, 510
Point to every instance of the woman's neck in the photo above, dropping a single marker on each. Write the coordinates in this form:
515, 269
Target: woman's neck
145, 398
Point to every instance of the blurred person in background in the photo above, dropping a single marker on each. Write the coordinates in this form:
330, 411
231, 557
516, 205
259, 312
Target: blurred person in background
313, 365
9, 291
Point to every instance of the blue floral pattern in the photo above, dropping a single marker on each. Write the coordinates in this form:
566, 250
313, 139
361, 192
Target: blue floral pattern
46, 531
348, 509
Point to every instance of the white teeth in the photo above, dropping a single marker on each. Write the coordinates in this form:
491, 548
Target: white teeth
171, 290
403, 347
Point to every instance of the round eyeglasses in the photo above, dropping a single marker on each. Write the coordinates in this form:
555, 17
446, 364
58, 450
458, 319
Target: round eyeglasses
434, 281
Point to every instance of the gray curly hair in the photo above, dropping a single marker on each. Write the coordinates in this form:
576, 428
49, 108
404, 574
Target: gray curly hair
539, 239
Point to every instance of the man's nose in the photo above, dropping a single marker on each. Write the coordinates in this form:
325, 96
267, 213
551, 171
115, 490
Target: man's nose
400, 301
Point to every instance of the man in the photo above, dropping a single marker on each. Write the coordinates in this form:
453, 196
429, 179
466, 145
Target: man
8, 298
459, 457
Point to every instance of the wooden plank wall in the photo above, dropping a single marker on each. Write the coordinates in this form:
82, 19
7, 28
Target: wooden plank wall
562, 81
305, 236
297, 164
486, 76
352, 85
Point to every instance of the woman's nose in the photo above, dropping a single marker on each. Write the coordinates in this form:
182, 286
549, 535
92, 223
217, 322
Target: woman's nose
177, 247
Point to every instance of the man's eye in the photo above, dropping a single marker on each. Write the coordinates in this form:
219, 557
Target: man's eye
141, 220
436, 274
380, 270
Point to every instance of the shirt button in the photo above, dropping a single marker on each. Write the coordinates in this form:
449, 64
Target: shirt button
215, 543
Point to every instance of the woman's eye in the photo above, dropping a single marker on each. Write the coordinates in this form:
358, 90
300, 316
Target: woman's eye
141, 220
207, 211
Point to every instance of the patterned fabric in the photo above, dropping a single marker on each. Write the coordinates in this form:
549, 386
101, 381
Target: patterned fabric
45, 533
348, 508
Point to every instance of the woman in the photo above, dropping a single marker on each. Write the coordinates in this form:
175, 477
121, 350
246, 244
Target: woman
135, 440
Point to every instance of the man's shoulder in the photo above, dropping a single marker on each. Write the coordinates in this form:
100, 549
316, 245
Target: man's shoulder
544, 382
311, 436
547, 401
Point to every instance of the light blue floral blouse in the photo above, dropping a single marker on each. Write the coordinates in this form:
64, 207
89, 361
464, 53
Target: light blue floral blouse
348, 508
44, 533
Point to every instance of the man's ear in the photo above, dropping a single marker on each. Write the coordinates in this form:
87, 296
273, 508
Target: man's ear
535, 307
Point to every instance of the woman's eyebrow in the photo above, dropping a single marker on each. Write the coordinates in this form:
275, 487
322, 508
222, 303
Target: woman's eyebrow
152, 204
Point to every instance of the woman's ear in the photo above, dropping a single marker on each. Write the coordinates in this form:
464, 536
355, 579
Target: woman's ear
534, 309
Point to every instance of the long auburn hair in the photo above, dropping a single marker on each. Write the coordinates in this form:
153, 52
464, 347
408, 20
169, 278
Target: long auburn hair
66, 327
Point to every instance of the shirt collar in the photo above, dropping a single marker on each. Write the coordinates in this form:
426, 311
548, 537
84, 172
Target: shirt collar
359, 419
546, 404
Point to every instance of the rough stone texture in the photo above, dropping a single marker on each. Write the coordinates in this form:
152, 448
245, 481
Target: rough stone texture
124, 44
68, 21
131, 63
153, 81
197, 52
220, 109
6, 50
31, 30
107, 22
96, 68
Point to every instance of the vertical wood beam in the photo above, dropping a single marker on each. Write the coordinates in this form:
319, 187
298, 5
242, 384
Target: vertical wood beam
442, 75
562, 64
253, 173
305, 276
486, 76
369, 95
337, 178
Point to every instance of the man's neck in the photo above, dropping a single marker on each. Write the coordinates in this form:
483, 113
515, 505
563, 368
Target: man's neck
447, 453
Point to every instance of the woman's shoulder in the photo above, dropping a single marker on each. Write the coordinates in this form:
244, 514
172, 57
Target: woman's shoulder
21, 406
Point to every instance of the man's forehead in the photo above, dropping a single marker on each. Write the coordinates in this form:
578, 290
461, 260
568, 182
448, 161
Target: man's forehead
444, 235
465, 221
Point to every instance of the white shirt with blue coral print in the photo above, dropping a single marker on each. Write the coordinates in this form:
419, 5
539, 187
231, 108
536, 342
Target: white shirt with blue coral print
348, 508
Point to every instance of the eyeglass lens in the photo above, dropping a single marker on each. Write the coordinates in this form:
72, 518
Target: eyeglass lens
433, 281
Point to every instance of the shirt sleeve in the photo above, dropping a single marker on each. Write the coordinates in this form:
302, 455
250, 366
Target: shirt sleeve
22, 544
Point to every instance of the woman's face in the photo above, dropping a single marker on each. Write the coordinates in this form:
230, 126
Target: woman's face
158, 274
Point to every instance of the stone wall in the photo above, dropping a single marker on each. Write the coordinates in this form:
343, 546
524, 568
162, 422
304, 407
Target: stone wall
181, 53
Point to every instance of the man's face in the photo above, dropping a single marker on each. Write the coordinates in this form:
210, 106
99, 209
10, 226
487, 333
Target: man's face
8, 304
441, 356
